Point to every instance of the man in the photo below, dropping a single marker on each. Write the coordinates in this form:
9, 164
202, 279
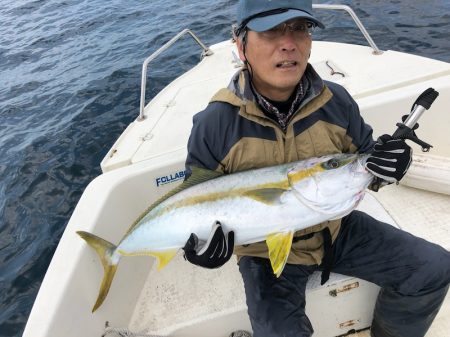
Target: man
276, 110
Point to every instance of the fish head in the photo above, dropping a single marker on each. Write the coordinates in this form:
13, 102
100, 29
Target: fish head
330, 184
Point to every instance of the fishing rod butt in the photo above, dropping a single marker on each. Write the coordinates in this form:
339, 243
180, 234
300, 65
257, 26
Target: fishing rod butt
427, 98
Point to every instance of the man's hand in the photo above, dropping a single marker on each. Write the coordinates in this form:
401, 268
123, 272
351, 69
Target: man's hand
214, 253
390, 159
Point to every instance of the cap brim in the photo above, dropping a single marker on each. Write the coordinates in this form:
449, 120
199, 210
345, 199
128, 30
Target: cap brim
261, 24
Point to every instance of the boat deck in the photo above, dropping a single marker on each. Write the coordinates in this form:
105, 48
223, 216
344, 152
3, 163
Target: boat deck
425, 214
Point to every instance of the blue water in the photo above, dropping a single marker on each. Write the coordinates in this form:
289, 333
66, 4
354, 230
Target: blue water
69, 85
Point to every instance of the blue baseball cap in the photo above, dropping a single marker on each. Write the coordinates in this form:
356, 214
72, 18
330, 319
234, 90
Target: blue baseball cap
262, 15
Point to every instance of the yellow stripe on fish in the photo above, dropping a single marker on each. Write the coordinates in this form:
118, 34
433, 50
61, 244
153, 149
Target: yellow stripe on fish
254, 192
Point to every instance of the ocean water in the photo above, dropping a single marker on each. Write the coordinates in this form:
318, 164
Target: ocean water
70, 83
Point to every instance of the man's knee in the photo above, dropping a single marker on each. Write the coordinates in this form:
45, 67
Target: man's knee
391, 258
432, 270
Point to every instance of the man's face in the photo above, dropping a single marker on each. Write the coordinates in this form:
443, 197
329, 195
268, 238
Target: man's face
277, 59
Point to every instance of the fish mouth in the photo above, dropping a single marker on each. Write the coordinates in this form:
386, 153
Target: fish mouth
286, 64
361, 163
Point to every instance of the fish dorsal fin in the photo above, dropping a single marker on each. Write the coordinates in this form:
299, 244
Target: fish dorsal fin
198, 176
269, 196
279, 245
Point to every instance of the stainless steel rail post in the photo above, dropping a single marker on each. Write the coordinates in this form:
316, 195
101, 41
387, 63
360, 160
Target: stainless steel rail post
358, 22
206, 52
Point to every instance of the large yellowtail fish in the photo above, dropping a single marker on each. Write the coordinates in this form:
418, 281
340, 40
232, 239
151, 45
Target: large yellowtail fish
263, 204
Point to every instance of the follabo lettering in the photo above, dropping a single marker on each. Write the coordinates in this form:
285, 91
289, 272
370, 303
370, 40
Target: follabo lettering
170, 178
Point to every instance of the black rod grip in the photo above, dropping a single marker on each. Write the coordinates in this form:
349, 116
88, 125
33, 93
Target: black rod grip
427, 98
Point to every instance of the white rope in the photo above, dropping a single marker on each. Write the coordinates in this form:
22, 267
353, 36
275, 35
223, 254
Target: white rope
123, 332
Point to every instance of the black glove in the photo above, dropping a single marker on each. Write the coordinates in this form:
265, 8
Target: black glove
215, 252
390, 159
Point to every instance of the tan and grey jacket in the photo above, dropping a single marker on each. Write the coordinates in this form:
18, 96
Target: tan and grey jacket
233, 134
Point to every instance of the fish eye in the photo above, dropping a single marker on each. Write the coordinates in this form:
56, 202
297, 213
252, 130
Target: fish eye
331, 164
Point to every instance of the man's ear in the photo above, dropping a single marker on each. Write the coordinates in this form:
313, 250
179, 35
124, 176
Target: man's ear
240, 47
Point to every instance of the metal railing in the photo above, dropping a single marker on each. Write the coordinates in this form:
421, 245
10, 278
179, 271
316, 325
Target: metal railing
358, 22
206, 52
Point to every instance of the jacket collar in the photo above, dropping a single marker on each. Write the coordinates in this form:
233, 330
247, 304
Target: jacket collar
239, 86
240, 94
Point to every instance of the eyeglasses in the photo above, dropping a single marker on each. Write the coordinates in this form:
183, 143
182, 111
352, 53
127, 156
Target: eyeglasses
300, 29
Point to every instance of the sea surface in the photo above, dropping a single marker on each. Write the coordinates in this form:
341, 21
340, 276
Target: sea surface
70, 83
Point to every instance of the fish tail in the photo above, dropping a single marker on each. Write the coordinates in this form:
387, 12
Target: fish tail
105, 251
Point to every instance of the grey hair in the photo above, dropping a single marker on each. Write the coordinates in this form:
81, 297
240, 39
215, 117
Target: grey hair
239, 33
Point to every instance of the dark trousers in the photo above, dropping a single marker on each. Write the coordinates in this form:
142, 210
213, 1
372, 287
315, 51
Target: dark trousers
413, 274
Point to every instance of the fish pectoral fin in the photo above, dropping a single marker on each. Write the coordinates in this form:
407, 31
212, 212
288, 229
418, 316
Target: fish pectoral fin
199, 175
164, 257
279, 245
269, 196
